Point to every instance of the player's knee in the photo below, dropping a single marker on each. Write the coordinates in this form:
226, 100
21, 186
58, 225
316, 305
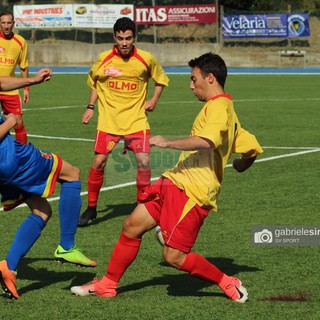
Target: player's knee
173, 257
143, 160
75, 174
99, 163
143, 164
19, 125
40, 206
127, 226
44, 214
133, 229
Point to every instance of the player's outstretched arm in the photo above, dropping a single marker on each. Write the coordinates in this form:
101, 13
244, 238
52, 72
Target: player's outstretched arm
11, 83
186, 144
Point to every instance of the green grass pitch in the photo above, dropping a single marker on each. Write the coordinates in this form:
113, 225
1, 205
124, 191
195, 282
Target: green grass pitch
283, 189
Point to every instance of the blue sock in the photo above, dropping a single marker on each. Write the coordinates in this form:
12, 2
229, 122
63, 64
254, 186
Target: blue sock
69, 211
26, 235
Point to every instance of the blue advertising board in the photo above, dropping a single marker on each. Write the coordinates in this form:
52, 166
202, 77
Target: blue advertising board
266, 26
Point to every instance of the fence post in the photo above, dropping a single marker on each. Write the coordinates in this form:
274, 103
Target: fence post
221, 13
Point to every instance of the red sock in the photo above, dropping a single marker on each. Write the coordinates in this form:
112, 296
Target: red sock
143, 180
200, 267
21, 133
123, 254
95, 181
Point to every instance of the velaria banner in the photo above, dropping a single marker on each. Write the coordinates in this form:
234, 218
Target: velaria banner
266, 26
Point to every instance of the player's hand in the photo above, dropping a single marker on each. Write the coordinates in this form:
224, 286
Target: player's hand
26, 96
11, 119
88, 114
150, 105
43, 75
157, 141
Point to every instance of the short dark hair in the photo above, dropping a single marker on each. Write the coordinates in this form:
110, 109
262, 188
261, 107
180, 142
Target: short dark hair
6, 13
211, 63
124, 24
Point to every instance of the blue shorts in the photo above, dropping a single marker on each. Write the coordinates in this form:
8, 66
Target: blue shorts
29, 171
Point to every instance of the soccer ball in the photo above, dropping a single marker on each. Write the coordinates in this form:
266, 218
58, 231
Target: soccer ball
159, 236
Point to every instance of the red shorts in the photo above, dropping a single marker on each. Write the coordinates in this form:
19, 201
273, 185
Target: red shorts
179, 217
137, 142
11, 104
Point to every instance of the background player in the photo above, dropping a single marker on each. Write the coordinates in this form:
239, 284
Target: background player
181, 199
29, 175
119, 81
13, 53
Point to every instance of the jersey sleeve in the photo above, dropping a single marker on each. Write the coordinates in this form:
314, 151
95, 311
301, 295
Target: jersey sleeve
23, 61
246, 144
92, 75
157, 73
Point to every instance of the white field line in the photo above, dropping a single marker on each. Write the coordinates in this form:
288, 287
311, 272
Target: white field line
92, 140
185, 102
59, 138
127, 184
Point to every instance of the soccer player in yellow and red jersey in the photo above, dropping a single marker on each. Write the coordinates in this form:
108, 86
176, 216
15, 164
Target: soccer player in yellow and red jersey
13, 53
119, 82
182, 198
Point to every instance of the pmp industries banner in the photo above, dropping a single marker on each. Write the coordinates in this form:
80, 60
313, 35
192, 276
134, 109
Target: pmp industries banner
43, 16
205, 13
60, 16
266, 26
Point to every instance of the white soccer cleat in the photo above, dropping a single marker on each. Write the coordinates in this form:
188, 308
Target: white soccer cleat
93, 289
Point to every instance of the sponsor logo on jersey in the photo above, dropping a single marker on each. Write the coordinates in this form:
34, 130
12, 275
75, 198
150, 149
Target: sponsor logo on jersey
112, 71
5, 60
121, 85
2, 49
46, 154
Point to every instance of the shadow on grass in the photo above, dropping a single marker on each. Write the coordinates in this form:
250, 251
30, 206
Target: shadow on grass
182, 284
42, 277
112, 211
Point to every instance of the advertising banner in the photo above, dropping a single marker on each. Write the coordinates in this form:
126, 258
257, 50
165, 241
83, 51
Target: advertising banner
61, 16
266, 26
43, 16
205, 13
99, 16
